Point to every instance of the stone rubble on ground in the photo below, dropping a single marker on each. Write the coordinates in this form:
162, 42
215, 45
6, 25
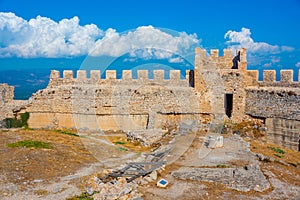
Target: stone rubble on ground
241, 179
215, 142
147, 137
119, 188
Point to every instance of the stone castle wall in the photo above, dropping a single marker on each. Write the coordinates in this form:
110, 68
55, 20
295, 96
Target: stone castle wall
94, 103
214, 78
278, 102
7, 103
6, 100
111, 103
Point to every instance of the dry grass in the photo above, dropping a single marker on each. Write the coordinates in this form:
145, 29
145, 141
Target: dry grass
122, 143
267, 149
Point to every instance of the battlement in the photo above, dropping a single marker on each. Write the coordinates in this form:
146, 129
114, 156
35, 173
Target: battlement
175, 78
269, 78
221, 62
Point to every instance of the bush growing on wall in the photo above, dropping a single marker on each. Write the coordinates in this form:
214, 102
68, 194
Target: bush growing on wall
18, 123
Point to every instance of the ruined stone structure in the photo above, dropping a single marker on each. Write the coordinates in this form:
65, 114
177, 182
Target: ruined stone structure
278, 102
209, 93
118, 104
8, 104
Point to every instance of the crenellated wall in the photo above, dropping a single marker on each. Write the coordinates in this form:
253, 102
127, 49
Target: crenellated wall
214, 78
270, 98
205, 93
111, 103
269, 79
111, 78
278, 102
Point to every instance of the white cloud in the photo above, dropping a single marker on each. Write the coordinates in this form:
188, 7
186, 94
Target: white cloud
287, 48
267, 64
237, 40
297, 64
176, 60
147, 38
43, 37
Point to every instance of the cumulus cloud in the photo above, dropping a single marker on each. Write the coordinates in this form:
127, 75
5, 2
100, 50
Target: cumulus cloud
144, 42
297, 64
43, 37
239, 39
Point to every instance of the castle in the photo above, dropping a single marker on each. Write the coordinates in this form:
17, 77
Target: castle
209, 93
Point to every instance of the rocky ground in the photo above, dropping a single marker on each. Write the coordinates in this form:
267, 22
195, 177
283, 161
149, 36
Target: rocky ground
242, 169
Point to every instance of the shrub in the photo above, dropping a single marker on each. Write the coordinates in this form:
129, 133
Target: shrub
18, 123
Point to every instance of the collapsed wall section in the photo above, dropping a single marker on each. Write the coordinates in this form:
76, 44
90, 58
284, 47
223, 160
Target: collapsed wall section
6, 101
9, 106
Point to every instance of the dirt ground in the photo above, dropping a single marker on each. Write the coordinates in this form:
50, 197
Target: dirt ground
22, 168
61, 172
282, 173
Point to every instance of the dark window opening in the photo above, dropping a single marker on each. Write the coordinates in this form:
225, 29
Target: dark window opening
299, 145
228, 103
191, 78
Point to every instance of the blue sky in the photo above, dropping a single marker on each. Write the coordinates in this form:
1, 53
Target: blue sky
33, 32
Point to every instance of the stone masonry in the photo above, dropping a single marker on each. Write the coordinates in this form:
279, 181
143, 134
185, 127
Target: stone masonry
210, 93
7, 103
111, 103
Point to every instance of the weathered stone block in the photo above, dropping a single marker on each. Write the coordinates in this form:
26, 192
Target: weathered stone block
127, 75
158, 75
81, 75
143, 75
286, 76
175, 76
95, 75
111, 74
68, 74
269, 76
214, 53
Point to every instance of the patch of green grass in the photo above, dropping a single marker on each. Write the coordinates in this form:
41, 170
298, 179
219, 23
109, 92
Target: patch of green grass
276, 150
118, 142
222, 166
66, 132
30, 144
83, 196
122, 149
